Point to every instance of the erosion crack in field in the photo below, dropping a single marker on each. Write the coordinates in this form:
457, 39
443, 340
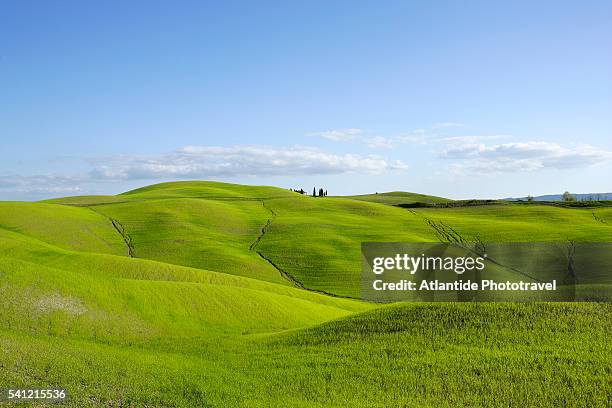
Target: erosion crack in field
263, 231
282, 272
264, 228
446, 233
126, 238
299, 284
599, 219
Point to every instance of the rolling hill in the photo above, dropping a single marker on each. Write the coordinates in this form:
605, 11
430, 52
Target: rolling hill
399, 197
211, 294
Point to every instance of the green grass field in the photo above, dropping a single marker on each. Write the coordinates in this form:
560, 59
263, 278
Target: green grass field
399, 197
244, 296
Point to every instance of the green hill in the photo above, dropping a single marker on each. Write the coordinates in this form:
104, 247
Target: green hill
72, 293
68, 227
329, 231
207, 189
399, 198
202, 233
209, 294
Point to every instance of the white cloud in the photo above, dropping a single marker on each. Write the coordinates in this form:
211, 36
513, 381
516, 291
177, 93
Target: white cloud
399, 165
524, 156
238, 161
200, 162
416, 136
40, 183
378, 142
337, 134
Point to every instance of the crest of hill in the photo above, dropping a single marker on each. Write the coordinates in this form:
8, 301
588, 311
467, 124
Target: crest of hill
181, 189
207, 189
400, 197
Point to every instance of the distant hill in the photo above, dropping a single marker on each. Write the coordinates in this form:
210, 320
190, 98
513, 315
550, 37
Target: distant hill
558, 197
399, 198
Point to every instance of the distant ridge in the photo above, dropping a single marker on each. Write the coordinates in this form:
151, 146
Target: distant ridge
559, 197
399, 198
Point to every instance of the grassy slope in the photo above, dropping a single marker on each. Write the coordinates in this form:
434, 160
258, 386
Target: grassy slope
205, 225
30, 251
68, 227
443, 355
104, 325
207, 189
508, 223
399, 197
455, 355
328, 233
317, 240
88, 321
202, 233
87, 200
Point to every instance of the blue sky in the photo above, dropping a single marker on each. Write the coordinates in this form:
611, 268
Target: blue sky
459, 99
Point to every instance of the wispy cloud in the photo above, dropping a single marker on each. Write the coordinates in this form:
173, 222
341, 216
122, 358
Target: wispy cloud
213, 161
374, 141
416, 136
203, 162
337, 134
471, 139
378, 142
523, 156
42, 184
443, 125
420, 136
